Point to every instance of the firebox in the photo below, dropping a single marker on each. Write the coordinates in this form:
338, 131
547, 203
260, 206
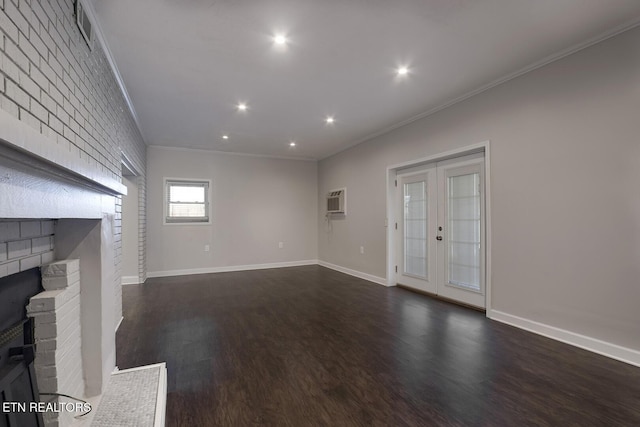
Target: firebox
18, 386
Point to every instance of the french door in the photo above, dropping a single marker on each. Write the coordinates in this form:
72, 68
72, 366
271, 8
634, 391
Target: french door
440, 232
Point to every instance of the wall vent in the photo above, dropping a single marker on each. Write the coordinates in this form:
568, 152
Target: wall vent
84, 24
337, 201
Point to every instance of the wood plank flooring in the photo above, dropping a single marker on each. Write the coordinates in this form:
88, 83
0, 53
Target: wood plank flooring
308, 346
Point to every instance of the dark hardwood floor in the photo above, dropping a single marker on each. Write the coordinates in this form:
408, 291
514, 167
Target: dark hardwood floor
308, 346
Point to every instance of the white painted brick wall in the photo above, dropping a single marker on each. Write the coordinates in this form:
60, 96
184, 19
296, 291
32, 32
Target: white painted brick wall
56, 314
142, 228
9, 230
51, 81
30, 262
19, 249
25, 244
30, 228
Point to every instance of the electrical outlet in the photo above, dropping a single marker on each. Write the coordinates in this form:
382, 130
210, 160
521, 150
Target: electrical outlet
206, 248
361, 249
280, 245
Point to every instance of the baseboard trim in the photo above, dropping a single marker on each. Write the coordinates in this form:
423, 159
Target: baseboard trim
130, 280
614, 351
371, 278
119, 323
226, 269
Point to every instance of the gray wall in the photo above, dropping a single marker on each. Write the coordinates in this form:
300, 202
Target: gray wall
257, 202
565, 169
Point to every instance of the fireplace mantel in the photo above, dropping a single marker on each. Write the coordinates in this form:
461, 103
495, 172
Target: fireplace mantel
20, 160
40, 178
23, 145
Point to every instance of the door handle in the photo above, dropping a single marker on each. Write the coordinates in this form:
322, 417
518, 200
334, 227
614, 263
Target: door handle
438, 237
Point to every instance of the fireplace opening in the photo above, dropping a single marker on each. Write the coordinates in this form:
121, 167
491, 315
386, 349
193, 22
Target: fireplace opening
18, 385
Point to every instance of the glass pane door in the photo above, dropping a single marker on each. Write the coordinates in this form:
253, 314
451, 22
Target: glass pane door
415, 229
461, 216
464, 231
417, 194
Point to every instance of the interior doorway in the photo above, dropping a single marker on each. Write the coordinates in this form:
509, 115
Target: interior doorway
130, 226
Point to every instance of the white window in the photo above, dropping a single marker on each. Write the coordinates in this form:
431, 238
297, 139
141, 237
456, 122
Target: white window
187, 201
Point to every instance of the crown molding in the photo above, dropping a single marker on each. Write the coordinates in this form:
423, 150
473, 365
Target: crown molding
232, 153
629, 25
97, 28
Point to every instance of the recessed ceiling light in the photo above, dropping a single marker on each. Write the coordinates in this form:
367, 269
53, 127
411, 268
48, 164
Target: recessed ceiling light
402, 71
242, 106
225, 136
330, 120
292, 144
280, 39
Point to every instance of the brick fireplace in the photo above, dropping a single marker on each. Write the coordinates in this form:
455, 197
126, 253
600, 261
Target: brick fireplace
51, 213
66, 125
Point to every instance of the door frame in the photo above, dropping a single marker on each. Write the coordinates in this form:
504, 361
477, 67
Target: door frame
482, 147
129, 170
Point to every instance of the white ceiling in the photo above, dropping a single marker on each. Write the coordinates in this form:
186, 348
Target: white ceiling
187, 63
